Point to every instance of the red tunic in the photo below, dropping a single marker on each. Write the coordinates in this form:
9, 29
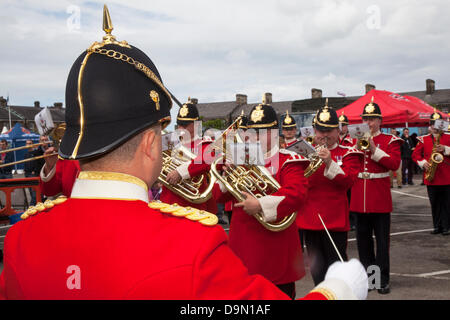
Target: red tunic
78, 250
374, 194
63, 179
422, 153
347, 141
327, 194
275, 255
195, 168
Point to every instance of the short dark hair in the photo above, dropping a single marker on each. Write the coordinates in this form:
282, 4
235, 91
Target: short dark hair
405, 129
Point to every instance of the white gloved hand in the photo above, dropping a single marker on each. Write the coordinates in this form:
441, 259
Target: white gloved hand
353, 274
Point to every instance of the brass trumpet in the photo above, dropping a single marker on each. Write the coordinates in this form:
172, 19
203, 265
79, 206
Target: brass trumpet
253, 179
56, 135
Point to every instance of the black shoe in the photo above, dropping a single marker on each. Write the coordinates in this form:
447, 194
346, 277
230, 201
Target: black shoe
446, 232
436, 231
422, 184
384, 290
221, 221
411, 184
399, 187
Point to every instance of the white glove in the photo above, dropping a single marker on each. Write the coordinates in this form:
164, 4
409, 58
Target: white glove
353, 274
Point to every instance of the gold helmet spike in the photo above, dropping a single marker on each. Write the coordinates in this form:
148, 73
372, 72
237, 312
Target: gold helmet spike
108, 28
107, 24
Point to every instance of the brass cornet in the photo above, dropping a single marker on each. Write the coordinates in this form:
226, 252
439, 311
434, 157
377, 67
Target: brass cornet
363, 142
315, 161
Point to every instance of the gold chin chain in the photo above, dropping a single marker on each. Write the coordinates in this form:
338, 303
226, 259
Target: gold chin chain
138, 65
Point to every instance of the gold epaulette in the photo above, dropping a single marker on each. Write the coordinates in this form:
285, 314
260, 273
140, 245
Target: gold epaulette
39, 207
204, 217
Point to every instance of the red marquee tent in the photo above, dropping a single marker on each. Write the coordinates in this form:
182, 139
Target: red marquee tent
397, 110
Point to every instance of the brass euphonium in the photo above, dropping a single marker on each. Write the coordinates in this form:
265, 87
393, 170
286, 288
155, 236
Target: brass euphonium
253, 179
188, 189
435, 159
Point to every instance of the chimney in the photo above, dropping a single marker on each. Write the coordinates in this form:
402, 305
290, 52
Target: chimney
316, 93
37, 104
2, 102
369, 87
57, 105
430, 86
194, 100
267, 98
241, 99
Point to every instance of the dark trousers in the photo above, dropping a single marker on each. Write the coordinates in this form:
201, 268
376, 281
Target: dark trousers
288, 288
407, 164
32, 192
352, 215
440, 206
321, 253
366, 225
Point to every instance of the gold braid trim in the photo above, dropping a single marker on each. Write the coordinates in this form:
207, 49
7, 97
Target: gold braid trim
327, 293
102, 175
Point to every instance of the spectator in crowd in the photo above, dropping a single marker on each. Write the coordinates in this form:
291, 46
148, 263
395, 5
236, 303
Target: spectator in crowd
415, 140
407, 163
6, 157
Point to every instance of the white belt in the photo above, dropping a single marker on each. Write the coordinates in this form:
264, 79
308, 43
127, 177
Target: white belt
369, 175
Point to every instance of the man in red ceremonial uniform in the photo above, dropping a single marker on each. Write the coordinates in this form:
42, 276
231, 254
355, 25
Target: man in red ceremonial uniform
371, 195
187, 115
347, 141
344, 137
58, 175
275, 255
439, 187
106, 241
327, 196
289, 130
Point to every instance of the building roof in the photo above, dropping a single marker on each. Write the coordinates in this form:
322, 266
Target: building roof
28, 113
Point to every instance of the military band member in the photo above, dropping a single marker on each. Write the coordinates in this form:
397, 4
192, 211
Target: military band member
439, 187
371, 196
187, 115
289, 130
327, 196
344, 137
347, 141
275, 255
57, 176
106, 241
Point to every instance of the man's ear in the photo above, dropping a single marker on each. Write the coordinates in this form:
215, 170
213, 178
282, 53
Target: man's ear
149, 144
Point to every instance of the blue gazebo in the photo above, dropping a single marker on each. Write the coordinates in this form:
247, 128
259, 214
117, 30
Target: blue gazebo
17, 137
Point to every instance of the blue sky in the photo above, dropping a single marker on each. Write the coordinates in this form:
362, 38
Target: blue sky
212, 49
